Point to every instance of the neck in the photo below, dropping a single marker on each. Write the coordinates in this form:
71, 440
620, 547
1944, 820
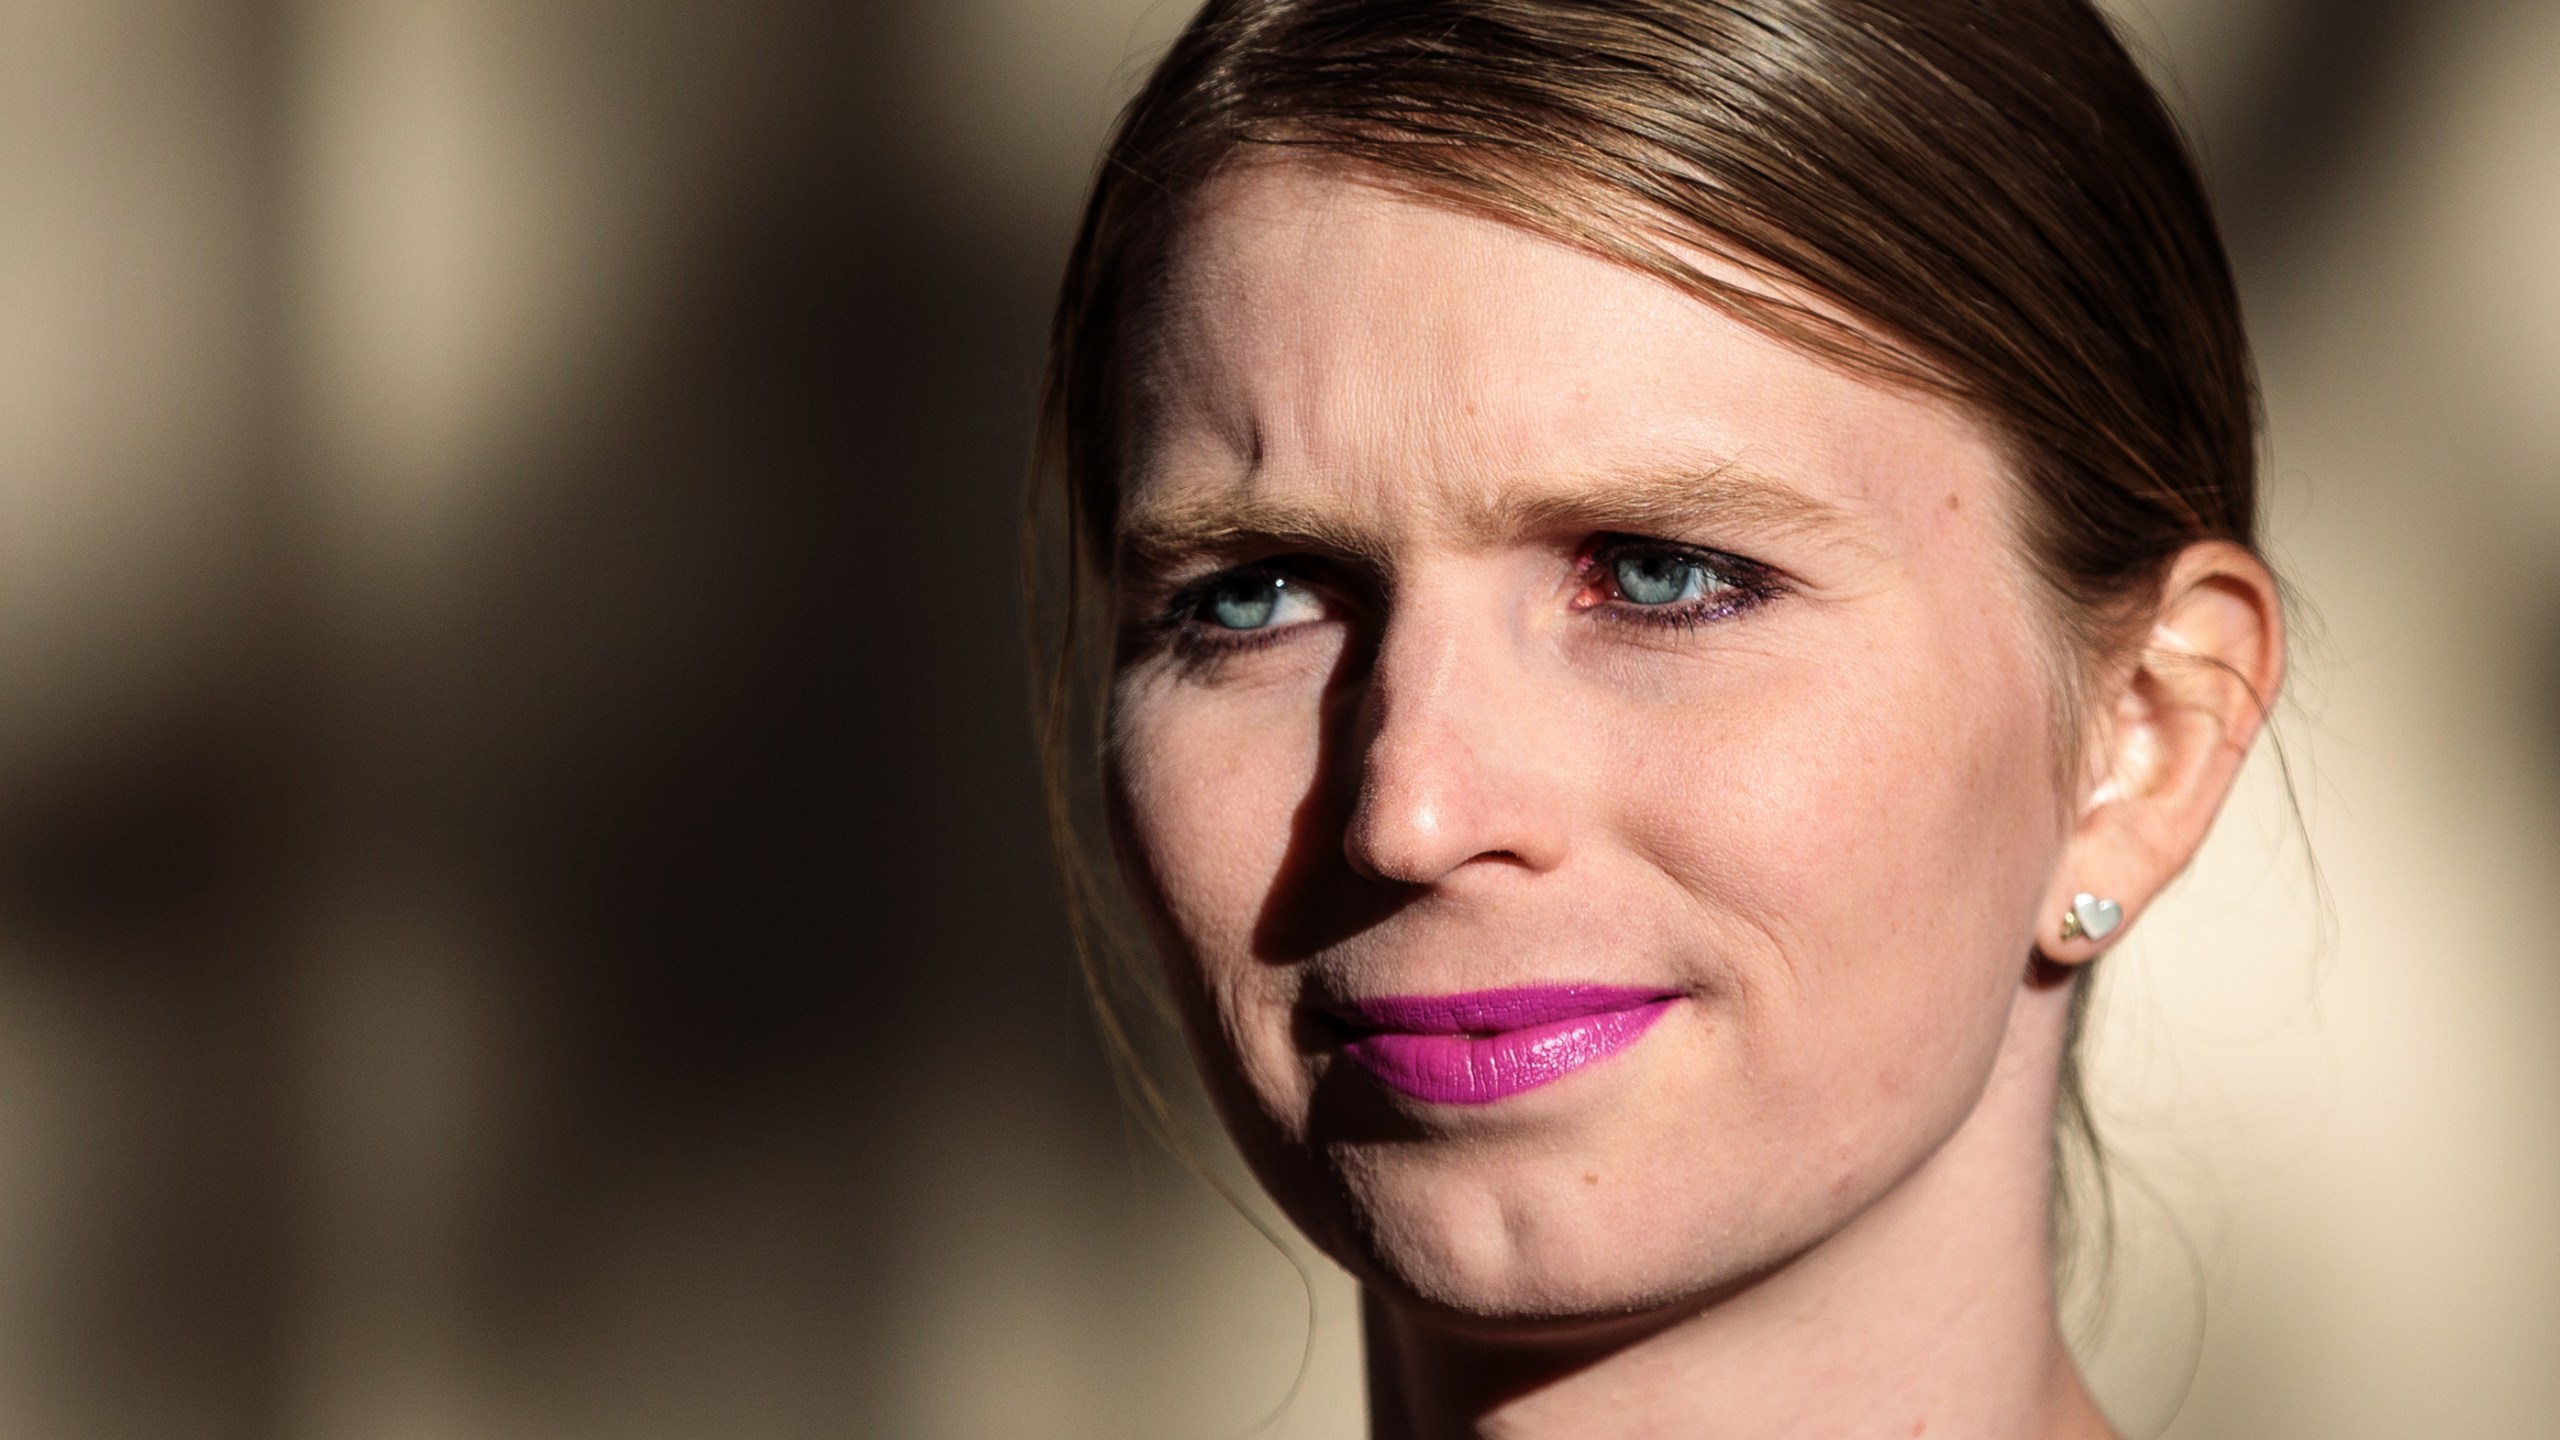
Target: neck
1931, 1314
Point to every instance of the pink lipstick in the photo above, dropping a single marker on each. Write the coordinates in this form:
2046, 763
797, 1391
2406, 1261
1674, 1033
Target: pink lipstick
1489, 1045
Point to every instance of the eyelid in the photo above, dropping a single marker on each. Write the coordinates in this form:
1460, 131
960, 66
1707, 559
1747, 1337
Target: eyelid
1737, 568
1175, 615
1196, 587
1170, 607
1749, 583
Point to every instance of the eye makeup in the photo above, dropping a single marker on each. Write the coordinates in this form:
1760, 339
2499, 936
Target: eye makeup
1633, 579
1620, 579
1238, 609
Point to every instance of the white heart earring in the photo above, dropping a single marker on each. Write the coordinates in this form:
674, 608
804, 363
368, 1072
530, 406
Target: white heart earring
2092, 917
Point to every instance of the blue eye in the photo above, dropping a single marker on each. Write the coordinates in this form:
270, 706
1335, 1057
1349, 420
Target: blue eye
1247, 600
1244, 602
1664, 577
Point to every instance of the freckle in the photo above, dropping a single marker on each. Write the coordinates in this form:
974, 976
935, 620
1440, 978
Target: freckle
1953, 503
1590, 1179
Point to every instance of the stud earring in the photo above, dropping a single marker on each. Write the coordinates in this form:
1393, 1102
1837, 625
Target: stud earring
2092, 917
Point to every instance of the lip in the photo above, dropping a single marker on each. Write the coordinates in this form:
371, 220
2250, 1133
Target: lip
1488, 1045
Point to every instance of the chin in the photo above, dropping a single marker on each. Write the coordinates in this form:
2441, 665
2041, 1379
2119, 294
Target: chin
1610, 1195
1534, 1241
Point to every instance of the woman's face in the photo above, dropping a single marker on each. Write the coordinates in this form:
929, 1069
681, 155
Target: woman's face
1591, 767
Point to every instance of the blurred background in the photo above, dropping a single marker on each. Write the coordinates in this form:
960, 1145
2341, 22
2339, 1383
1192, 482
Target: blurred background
522, 907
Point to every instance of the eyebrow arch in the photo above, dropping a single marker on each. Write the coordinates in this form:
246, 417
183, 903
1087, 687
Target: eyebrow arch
1165, 533
1666, 502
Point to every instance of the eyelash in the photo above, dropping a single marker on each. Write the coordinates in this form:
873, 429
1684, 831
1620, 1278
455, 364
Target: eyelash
1749, 585
1178, 622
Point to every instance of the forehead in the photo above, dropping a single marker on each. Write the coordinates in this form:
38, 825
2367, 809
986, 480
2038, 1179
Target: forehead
1323, 339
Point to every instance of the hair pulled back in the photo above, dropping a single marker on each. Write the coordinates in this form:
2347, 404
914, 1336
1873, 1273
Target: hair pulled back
1982, 199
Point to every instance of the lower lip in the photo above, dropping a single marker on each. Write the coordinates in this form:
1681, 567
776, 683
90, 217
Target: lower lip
1489, 1045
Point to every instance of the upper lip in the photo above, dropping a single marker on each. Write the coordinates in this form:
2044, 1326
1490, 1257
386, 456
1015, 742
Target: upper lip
1480, 1012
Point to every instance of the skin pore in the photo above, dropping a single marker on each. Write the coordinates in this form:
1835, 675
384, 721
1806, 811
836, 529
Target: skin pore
1494, 615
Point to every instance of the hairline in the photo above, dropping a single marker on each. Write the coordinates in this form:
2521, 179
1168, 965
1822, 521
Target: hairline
1651, 240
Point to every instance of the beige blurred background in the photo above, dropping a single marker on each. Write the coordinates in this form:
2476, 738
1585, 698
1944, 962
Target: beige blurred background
521, 903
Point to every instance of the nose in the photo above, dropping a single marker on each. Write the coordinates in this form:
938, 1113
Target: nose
1452, 767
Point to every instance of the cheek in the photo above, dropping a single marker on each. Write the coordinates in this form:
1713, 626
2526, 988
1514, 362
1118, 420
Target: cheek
1210, 792
1868, 828
1206, 784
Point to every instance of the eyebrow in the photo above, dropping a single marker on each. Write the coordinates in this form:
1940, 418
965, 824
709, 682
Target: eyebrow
1665, 502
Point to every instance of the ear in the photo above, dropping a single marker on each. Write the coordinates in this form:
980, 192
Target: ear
2164, 740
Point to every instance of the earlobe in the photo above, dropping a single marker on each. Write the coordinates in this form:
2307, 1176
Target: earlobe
2178, 725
